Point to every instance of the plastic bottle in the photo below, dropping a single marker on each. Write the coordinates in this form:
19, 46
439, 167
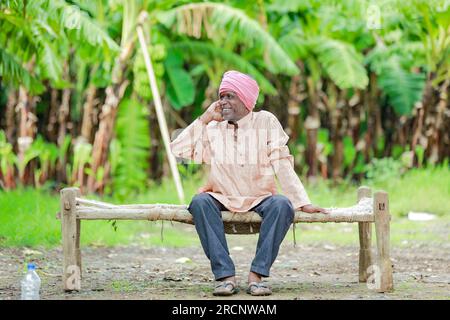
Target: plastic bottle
31, 284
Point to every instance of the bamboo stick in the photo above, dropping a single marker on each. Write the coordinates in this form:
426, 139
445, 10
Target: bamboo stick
159, 108
94, 203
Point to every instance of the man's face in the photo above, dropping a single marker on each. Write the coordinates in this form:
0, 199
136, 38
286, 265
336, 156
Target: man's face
232, 107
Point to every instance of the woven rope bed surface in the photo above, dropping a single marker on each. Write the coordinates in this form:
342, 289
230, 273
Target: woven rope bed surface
234, 222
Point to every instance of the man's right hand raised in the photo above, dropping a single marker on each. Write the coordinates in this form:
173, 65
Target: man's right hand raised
214, 112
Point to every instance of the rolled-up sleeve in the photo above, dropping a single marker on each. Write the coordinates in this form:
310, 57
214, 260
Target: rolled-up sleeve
192, 143
283, 165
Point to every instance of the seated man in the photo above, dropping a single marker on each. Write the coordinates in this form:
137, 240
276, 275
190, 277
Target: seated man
245, 149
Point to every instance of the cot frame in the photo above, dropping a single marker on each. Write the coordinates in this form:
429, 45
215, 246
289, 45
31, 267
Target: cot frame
75, 208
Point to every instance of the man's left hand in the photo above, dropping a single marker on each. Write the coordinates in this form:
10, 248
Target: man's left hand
309, 208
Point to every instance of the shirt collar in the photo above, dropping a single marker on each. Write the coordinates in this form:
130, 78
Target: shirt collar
243, 122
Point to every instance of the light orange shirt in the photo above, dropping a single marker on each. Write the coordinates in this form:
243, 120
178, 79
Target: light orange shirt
243, 159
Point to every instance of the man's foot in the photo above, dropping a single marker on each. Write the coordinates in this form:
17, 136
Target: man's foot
254, 277
259, 289
226, 287
256, 287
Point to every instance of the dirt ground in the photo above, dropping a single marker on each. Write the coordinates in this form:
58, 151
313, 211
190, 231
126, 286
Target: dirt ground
300, 272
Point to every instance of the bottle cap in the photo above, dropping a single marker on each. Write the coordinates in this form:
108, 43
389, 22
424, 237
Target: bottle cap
31, 266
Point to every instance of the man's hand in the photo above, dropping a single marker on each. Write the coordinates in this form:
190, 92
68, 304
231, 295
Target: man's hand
214, 112
309, 208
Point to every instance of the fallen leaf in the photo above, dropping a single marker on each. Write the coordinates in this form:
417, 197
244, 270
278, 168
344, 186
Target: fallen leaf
169, 278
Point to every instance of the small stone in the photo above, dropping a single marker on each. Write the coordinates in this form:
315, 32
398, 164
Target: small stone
183, 260
29, 252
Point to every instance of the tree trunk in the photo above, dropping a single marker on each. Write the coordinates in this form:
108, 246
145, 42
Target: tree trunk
88, 113
436, 128
312, 123
10, 116
63, 114
27, 130
114, 94
294, 109
372, 106
52, 126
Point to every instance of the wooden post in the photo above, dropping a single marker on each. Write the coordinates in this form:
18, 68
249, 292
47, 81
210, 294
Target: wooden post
382, 228
365, 239
77, 246
70, 229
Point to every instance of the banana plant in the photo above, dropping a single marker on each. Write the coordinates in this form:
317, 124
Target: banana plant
47, 157
315, 36
8, 161
130, 167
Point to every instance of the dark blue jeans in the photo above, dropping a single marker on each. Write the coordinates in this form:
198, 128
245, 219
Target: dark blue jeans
277, 215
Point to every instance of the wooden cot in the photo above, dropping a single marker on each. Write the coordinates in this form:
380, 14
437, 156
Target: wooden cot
368, 210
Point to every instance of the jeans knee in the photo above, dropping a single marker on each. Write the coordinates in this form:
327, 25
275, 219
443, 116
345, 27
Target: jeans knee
198, 201
285, 205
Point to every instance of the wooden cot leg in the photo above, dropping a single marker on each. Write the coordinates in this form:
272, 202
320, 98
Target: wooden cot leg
382, 228
70, 240
365, 239
77, 247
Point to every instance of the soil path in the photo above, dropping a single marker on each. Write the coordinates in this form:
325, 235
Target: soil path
300, 272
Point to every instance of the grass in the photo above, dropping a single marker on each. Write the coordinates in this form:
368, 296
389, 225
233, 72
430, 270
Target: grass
27, 216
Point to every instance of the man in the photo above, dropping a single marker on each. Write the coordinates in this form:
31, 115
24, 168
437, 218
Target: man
244, 149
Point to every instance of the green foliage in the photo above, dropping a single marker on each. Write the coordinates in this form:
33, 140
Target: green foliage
207, 53
226, 18
7, 156
133, 136
45, 33
324, 145
340, 60
342, 63
81, 155
420, 152
85, 28
384, 169
397, 151
349, 151
47, 155
141, 83
360, 165
180, 86
29, 155
12, 72
402, 87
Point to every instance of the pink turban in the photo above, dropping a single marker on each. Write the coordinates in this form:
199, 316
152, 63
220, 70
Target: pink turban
243, 85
